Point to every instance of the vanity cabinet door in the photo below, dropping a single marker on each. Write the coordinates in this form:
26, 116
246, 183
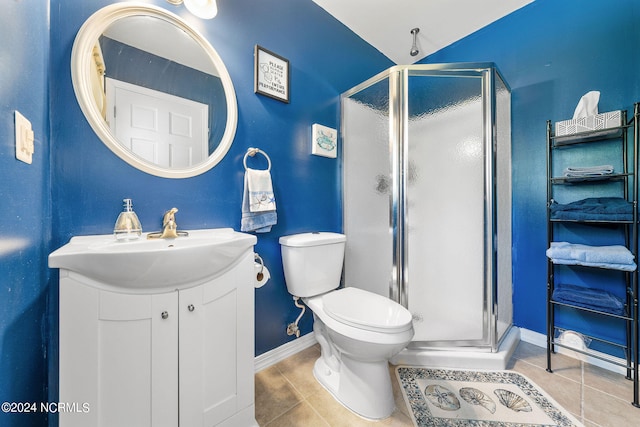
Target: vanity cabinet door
216, 347
118, 354
181, 358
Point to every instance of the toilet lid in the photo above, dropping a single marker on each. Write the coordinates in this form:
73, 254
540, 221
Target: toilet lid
366, 310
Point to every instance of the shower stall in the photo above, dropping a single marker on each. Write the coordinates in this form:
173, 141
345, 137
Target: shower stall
427, 206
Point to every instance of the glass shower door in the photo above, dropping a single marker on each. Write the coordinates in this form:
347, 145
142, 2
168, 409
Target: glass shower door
445, 209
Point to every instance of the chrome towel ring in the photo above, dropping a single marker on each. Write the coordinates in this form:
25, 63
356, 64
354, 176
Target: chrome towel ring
252, 152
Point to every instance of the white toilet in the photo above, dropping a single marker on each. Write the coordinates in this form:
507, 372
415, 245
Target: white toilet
358, 331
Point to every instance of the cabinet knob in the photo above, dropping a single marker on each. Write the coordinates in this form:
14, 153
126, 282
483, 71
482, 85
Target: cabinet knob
191, 307
165, 314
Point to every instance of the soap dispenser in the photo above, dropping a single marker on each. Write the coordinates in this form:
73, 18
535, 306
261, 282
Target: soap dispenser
128, 225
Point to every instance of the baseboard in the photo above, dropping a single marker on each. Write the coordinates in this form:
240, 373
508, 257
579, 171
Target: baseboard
278, 354
540, 340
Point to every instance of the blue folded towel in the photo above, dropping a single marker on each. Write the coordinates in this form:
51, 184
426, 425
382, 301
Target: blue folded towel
594, 208
615, 257
593, 299
258, 202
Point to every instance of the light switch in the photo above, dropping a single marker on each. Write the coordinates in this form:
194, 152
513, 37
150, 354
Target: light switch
24, 139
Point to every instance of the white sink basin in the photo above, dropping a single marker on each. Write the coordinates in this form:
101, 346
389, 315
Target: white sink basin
142, 264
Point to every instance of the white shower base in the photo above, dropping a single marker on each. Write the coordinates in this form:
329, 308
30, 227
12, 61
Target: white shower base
461, 359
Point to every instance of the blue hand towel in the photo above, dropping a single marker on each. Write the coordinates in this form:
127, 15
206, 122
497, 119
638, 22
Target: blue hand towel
258, 202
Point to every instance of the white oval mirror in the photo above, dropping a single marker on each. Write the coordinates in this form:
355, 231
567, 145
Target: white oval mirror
154, 90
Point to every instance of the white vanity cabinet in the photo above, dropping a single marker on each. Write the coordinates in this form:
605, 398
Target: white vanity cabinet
180, 357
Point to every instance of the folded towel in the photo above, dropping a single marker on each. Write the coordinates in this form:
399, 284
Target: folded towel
599, 168
607, 265
258, 202
594, 299
588, 171
615, 257
609, 254
594, 208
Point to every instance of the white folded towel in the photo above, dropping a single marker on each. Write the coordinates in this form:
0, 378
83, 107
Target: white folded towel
588, 171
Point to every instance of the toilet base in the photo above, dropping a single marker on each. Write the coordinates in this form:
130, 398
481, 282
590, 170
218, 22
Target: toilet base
362, 387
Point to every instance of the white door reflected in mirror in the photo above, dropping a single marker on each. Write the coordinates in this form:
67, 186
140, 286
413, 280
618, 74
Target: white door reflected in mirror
162, 129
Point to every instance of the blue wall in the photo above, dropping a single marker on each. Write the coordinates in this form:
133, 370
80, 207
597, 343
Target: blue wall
551, 53
25, 225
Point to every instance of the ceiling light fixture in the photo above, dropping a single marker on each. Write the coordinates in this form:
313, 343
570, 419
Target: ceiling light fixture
414, 47
205, 9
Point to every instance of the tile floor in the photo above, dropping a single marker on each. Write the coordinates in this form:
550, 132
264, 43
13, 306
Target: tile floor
287, 394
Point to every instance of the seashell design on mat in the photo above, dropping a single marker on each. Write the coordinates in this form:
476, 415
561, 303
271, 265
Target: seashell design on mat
442, 397
474, 396
512, 400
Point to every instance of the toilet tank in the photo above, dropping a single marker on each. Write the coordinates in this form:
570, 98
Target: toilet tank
312, 262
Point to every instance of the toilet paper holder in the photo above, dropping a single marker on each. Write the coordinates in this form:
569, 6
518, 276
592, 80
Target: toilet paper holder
260, 274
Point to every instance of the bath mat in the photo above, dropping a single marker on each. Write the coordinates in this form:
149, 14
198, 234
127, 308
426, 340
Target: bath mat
451, 397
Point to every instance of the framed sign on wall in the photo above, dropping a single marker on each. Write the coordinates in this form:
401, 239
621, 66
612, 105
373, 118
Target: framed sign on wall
271, 76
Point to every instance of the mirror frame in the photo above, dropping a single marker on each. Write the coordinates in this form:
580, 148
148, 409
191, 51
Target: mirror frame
81, 55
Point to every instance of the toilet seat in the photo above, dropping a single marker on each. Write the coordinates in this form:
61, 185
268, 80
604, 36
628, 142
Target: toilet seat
365, 310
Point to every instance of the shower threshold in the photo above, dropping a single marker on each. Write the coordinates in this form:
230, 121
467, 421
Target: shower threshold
461, 359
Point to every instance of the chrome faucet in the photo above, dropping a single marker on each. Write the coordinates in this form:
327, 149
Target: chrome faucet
169, 227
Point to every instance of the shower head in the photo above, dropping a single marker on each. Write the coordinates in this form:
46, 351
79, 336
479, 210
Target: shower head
414, 48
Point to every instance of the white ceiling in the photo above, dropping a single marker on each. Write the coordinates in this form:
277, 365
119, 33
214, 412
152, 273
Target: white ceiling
387, 24
160, 38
